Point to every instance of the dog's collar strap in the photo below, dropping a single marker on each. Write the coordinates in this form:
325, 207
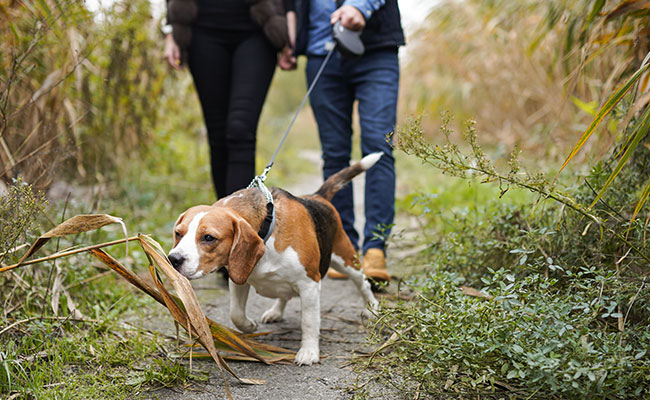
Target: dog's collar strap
268, 224
269, 221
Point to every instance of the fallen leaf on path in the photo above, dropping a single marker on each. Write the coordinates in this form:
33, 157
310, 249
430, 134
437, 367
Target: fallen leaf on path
474, 293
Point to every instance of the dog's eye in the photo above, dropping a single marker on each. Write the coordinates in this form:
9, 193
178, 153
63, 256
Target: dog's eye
209, 238
178, 235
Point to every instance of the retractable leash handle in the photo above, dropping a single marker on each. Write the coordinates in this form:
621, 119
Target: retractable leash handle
348, 42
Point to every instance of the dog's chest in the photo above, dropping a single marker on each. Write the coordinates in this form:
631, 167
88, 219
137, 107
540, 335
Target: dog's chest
277, 275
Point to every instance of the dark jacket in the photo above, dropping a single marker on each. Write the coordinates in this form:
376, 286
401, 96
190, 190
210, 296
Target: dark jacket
383, 29
268, 14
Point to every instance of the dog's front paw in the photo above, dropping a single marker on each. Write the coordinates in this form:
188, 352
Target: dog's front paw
245, 325
271, 315
307, 355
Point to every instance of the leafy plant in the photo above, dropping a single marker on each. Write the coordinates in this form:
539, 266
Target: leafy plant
526, 337
19, 208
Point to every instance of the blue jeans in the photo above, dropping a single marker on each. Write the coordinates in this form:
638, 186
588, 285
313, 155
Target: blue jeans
373, 80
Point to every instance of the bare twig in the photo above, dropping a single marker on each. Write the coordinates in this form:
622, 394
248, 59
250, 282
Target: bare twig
22, 321
629, 308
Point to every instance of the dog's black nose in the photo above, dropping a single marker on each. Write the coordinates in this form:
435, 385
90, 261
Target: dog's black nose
176, 260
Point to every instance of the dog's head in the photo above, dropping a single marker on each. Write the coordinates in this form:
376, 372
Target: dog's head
209, 237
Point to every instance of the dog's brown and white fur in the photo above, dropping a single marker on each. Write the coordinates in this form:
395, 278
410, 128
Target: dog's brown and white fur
308, 239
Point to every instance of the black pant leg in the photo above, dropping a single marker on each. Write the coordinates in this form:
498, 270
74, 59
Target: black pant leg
253, 65
209, 60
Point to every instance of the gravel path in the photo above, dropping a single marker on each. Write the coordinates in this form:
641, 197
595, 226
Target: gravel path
342, 336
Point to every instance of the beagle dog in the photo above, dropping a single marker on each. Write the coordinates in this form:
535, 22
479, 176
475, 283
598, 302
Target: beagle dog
305, 238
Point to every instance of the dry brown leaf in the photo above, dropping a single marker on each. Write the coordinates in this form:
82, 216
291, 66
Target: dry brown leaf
628, 7
126, 273
186, 294
72, 226
474, 293
56, 290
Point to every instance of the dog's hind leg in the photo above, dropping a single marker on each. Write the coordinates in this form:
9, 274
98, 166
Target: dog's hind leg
274, 313
356, 276
344, 259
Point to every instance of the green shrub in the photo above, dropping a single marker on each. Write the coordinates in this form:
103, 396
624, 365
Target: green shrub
532, 338
19, 209
563, 303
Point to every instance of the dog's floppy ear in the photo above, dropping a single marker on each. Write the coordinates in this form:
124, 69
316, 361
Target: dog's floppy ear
178, 221
247, 249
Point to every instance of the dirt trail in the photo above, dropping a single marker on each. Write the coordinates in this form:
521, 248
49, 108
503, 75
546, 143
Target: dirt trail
343, 335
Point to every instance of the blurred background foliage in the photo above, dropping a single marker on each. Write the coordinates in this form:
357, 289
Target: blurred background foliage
86, 97
82, 93
531, 73
89, 92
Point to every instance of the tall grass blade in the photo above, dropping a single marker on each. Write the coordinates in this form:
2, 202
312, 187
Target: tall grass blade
642, 200
640, 132
595, 10
13, 30
45, 10
127, 274
603, 112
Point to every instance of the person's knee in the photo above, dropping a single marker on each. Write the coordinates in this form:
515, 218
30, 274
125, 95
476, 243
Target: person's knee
240, 128
379, 146
334, 163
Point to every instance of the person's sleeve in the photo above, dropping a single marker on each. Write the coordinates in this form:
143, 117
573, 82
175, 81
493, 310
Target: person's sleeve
289, 5
367, 7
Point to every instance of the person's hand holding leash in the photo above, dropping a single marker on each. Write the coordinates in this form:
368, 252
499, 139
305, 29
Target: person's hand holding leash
172, 53
287, 61
350, 16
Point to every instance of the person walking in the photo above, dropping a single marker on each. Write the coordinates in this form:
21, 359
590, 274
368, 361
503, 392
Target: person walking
373, 81
230, 48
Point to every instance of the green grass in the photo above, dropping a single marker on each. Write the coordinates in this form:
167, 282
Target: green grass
100, 357
101, 361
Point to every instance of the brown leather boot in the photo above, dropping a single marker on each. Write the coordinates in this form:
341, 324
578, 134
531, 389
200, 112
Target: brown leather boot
334, 274
374, 265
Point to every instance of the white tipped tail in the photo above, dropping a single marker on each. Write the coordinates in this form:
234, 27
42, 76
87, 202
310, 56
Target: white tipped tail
335, 182
370, 160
